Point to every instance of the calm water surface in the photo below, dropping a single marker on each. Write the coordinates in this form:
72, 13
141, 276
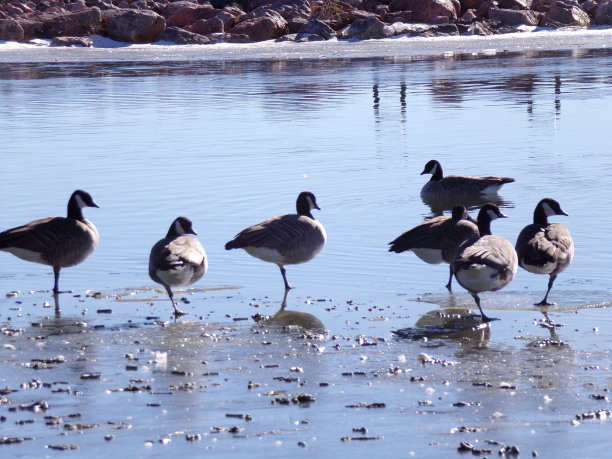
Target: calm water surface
231, 142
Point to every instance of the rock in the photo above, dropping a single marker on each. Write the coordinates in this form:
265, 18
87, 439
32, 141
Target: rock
400, 5
291, 8
480, 28
469, 16
295, 24
207, 26
10, 30
308, 37
316, 27
183, 37
604, 13
133, 26
541, 5
515, 4
86, 22
566, 13
514, 17
589, 7
190, 14
370, 28
428, 11
72, 41
262, 28
228, 19
228, 38
485, 7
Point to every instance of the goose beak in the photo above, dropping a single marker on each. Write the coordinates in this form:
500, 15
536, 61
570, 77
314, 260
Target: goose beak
93, 204
424, 172
317, 207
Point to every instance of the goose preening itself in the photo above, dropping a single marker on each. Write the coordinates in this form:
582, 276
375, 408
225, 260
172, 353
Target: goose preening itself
286, 239
436, 240
55, 241
545, 248
178, 259
440, 187
487, 262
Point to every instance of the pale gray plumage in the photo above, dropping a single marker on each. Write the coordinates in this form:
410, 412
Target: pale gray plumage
286, 239
55, 241
436, 240
543, 247
178, 259
487, 262
453, 185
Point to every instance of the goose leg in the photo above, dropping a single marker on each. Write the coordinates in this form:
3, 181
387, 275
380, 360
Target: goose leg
544, 302
450, 279
177, 311
56, 273
283, 272
484, 317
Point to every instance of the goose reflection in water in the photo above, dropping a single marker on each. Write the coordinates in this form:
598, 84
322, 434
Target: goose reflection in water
439, 205
286, 318
447, 324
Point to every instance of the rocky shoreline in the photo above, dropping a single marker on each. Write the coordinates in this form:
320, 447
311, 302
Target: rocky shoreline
72, 22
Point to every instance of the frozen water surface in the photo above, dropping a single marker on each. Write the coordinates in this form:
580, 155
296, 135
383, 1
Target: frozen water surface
229, 135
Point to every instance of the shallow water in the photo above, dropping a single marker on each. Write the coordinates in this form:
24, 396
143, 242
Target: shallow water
230, 141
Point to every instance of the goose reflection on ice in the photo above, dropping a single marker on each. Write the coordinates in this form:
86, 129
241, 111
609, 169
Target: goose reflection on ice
287, 318
447, 324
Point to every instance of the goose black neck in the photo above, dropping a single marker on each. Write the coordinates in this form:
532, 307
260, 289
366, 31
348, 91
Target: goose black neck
303, 208
484, 225
539, 216
438, 175
74, 211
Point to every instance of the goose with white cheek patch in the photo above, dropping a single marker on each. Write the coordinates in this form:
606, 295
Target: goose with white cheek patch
485, 263
543, 247
288, 239
55, 241
437, 239
178, 259
440, 187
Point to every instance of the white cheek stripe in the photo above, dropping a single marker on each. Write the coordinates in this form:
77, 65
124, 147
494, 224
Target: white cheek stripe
179, 229
80, 202
548, 210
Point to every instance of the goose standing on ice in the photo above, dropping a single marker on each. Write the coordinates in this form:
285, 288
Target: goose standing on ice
286, 239
487, 262
440, 187
178, 259
545, 248
437, 239
55, 241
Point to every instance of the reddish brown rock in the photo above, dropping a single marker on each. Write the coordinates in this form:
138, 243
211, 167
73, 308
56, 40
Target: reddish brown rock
542, 5
604, 13
229, 20
400, 5
316, 27
229, 38
428, 11
10, 30
189, 15
207, 26
566, 13
515, 4
133, 26
262, 28
86, 22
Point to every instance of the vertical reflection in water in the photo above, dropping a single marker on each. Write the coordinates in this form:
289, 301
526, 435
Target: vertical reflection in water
376, 104
403, 102
557, 97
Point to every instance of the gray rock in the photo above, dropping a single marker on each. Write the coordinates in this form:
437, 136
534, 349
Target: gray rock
514, 17
183, 37
566, 13
316, 27
85, 42
604, 13
81, 23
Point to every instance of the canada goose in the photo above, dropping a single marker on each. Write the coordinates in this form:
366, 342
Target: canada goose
286, 239
178, 259
487, 262
545, 248
436, 240
441, 187
55, 241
